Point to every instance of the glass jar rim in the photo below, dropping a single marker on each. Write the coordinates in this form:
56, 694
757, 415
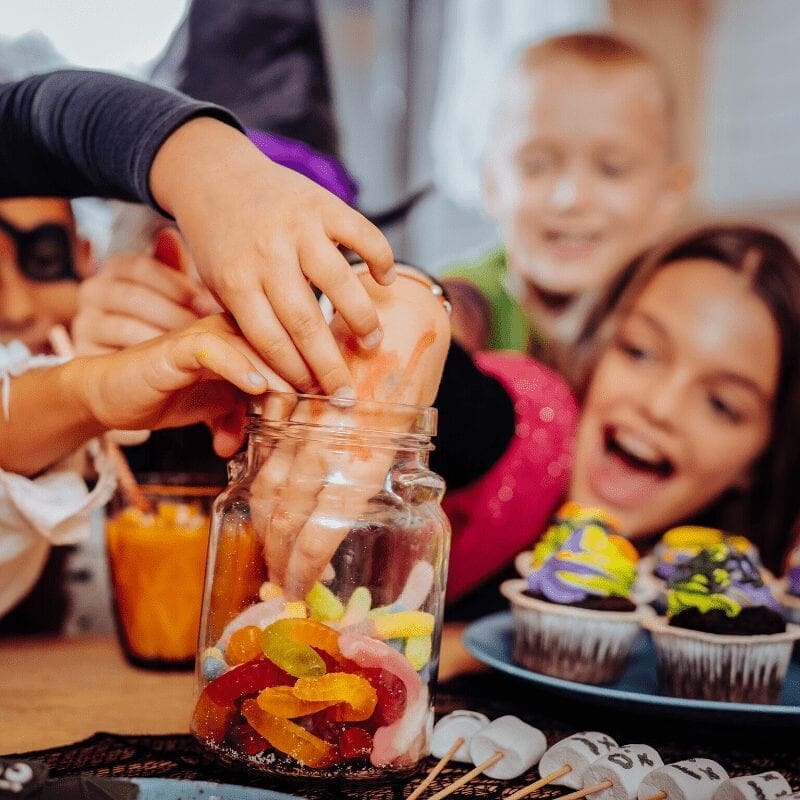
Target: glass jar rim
424, 417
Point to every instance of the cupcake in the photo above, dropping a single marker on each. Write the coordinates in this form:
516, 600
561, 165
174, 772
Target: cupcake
573, 616
724, 637
569, 518
788, 590
681, 544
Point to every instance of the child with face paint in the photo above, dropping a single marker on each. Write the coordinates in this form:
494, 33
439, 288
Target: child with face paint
580, 174
690, 407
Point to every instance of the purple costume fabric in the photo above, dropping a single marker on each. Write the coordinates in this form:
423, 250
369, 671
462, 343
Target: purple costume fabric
324, 170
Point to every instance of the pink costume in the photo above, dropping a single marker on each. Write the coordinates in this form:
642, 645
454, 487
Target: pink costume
504, 511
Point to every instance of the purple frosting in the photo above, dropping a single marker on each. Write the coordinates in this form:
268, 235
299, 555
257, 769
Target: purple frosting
324, 170
547, 582
793, 581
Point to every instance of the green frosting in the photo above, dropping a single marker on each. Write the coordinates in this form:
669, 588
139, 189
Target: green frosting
718, 578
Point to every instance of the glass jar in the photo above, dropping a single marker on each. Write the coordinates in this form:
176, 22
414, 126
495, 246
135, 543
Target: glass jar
333, 675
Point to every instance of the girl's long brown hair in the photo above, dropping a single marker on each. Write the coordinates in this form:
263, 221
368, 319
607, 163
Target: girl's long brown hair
767, 510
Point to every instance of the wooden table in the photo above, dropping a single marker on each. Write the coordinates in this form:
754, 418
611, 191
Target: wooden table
55, 691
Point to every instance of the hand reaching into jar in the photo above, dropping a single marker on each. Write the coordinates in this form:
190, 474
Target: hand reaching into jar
308, 492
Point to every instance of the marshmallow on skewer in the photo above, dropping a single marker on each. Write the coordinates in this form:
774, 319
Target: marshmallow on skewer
576, 752
521, 745
765, 786
692, 779
617, 774
456, 725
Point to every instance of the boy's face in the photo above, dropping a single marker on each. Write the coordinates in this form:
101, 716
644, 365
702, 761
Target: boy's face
41, 261
578, 174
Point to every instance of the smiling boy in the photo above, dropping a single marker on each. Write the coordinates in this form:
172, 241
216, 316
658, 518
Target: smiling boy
580, 175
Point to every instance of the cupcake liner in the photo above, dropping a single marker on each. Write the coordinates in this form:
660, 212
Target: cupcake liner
577, 644
709, 666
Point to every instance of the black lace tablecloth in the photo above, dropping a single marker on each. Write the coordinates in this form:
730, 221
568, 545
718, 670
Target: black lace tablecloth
745, 744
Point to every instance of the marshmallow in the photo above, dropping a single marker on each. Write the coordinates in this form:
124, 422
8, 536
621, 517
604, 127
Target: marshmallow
626, 767
458, 724
765, 786
575, 752
692, 779
521, 745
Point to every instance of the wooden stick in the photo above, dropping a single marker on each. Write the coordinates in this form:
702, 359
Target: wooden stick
543, 781
437, 769
62, 346
464, 779
657, 796
598, 787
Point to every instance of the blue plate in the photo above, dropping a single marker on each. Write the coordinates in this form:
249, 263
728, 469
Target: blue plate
489, 640
168, 789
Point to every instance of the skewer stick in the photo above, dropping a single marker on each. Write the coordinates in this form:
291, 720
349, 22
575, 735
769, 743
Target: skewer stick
657, 796
437, 769
464, 779
543, 781
62, 345
598, 787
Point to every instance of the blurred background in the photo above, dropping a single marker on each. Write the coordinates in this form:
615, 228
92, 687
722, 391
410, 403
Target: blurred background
411, 81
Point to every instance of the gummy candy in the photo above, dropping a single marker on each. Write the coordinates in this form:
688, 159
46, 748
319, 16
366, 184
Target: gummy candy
357, 607
210, 719
311, 633
354, 696
283, 702
244, 645
288, 737
418, 586
260, 615
290, 655
247, 678
418, 651
243, 737
355, 743
323, 603
403, 624
390, 741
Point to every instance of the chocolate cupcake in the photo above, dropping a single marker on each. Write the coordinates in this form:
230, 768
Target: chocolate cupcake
724, 637
574, 617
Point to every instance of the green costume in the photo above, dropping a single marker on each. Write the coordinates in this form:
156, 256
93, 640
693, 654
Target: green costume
510, 327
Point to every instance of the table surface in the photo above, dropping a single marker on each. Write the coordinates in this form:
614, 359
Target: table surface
54, 691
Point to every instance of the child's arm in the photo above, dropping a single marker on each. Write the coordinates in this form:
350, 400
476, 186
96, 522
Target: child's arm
182, 378
258, 232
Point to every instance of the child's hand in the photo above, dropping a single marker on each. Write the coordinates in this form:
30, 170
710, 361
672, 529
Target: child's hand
136, 297
298, 517
259, 234
185, 377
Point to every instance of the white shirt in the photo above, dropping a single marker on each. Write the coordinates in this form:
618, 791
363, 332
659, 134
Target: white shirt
51, 509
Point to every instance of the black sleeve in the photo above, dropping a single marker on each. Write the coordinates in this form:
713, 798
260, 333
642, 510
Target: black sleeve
76, 132
476, 421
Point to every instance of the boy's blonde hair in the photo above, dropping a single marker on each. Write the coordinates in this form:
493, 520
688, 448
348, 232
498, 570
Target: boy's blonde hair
602, 50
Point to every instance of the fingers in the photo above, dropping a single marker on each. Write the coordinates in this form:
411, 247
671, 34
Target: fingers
145, 304
94, 331
269, 335
329, 271
356, 232
149, 272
